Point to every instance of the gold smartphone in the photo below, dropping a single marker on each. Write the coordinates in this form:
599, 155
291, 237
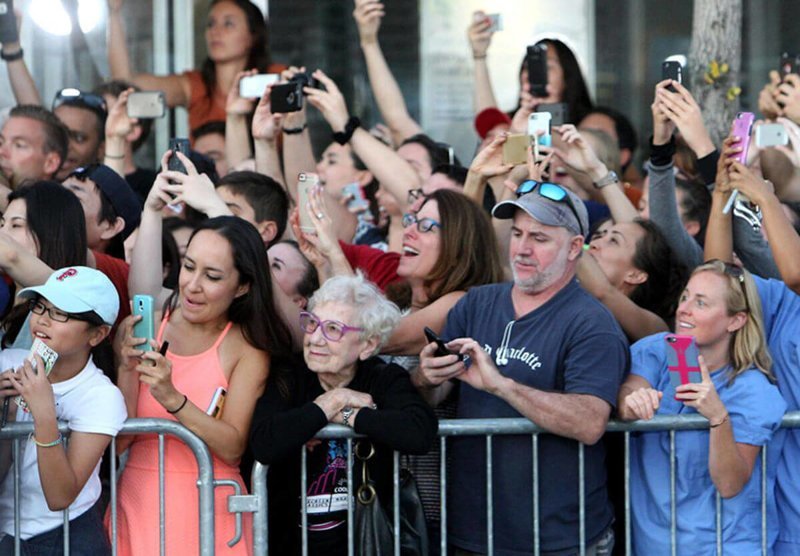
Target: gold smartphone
515, 149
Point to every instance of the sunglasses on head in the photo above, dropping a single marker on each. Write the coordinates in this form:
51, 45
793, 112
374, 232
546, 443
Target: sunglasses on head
551, 191
76, 97
737, 273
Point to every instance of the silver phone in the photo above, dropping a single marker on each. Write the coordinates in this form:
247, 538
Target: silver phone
146, 105
771, 135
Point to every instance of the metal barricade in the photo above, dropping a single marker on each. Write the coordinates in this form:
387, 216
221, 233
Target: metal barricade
17, 432
489, 428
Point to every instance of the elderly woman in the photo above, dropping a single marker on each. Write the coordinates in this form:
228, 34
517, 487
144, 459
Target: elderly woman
346, 323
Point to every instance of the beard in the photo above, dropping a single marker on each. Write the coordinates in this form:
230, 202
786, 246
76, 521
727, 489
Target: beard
541, 279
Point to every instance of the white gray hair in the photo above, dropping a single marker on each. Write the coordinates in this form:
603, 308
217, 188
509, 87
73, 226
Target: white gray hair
371, 310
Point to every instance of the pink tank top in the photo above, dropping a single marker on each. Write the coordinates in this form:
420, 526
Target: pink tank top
198, 376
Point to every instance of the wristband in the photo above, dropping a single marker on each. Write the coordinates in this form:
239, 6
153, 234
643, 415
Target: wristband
294, 130
55, 442
479, 57
174, 411
13, 56
114, 157
342, 137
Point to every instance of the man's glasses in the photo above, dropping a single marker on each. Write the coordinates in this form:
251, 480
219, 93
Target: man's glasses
39, 308
737, 273
423, 224
333, 330
551, 191
75, 97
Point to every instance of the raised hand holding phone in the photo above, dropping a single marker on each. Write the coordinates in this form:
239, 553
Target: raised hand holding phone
741, 128
703, 396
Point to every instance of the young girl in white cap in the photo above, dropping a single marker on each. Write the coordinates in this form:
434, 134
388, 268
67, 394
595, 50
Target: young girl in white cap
71, 314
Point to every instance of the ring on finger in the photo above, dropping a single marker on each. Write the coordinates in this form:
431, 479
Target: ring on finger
320, 216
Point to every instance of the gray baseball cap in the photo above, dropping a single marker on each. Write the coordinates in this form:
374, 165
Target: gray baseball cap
548, 211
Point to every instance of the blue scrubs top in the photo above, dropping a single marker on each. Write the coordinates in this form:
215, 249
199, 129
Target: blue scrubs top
781, 308
755, 407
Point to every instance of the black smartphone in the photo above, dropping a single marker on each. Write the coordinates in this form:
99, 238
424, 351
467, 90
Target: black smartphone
177, 144
537, 69
441, 346
559, 112
286, 98
672, 69
8, 22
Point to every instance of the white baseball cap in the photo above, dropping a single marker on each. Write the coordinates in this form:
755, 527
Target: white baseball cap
79, 289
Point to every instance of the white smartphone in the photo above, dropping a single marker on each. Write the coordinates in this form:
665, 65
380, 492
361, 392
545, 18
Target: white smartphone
771, 135
540, 122
253, 86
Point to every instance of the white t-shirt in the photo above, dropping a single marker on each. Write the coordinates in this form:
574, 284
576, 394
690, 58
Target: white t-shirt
89, 402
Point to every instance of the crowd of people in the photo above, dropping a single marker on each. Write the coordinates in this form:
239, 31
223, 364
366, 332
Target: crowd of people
559, 289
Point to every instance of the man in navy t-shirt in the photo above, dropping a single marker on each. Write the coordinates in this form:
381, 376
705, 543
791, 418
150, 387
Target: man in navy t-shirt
540, 348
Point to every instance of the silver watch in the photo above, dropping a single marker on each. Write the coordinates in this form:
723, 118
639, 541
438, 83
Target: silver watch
346, 413
608, 179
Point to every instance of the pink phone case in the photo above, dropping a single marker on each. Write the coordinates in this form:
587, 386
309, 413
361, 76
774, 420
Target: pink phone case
742, 126
682, 360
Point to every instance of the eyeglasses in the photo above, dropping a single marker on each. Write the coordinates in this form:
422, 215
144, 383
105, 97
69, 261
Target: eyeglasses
424, 225
76, 97
551, 191
414, 194
737, 273
333, 330
39, 308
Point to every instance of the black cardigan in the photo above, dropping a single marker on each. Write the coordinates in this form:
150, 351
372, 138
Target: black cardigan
283, 424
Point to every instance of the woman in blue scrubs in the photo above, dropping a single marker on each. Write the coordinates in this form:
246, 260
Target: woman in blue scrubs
720, 308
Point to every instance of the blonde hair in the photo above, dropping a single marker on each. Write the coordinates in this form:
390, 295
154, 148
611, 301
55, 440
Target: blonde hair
748, 346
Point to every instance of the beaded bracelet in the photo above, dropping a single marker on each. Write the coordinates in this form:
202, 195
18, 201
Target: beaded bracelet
55, 442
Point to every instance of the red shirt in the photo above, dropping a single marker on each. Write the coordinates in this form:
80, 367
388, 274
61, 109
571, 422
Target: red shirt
379, 267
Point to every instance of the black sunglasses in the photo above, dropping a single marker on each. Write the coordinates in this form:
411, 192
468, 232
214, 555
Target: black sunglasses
551, 191
75, 97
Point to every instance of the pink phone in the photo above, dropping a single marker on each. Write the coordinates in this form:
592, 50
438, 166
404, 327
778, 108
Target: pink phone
682, 360
742, 126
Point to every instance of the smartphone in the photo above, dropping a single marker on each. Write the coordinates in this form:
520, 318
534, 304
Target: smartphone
145, 328
515, 149
285, 98
304, 183
672, 69
742, 126
682, 360
146, 105
49, 357
441, 345
788, 64
177, 144
771, 135
536, 59
8, 22
540, 121
217, 403
358, 202
559, 112
495, 22
253, 86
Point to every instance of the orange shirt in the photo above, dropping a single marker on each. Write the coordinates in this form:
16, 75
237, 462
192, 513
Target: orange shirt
203, 109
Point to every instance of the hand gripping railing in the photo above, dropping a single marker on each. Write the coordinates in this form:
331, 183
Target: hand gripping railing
205, 481
498, 427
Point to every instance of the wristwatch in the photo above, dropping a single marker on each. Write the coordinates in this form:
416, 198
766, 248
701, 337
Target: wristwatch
346, 413
608, 179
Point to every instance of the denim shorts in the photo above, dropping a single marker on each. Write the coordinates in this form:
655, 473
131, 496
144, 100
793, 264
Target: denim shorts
87, 537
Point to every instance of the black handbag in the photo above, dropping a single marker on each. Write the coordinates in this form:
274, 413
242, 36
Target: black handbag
374, 528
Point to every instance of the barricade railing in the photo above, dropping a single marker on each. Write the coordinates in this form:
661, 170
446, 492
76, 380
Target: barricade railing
19, 432
489, 428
